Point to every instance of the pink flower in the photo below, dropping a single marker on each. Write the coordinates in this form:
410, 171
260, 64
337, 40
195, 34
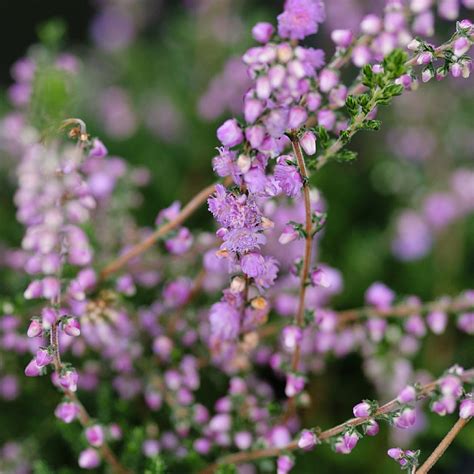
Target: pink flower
262, 32
362, 410
230, 134
89, 459
405, 419
67, 411
407, 395
308, 143
346, 443
300, 18
95, 435
307, 440
466, 408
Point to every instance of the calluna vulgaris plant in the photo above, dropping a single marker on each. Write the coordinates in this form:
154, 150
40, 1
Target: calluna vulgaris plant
300, 113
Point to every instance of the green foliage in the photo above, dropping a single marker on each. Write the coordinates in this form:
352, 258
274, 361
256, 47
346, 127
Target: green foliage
156, 466
51, 98
226, 469
52, 33
344, 156
132, 453
40, 467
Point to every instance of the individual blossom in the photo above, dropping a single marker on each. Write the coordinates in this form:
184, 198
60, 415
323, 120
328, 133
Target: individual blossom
466, 407
300, 18
230, 134
284, 464
405, 418
89, 459
346, 443
294, 385
67, 411
95, 435
362, 410
379, 295
307, 440
288, 177
371, 428
407, 395
225, 321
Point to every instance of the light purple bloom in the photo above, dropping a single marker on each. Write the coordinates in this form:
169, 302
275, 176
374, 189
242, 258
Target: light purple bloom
225, 321
362, 410
346, 443
262, 32
95, 435
89, 459
466, 408
230, 134
300, 18
307, 440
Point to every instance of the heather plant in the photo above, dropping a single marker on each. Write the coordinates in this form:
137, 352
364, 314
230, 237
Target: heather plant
224, 309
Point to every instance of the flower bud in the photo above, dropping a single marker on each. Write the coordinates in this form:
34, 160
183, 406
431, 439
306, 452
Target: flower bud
95, 435
307, 440
361, 410
284, 464
437, 321
461, 46
89, 459
67, 411
32, 369
291, 336
288, 235
35, 328
294, 385
342, 38
262, 32
98, 149
405, 419
319, 277
372, 428
466, 408
407, 395
345, 444
43, 357
72, 327
308, 143
230, 134
244, 162
237, 284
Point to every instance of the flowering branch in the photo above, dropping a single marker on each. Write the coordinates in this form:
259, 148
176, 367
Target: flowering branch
389, 407
443, 445
194, 204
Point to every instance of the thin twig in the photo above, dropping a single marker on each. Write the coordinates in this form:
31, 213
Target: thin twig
306, 260
144, 245
443, 445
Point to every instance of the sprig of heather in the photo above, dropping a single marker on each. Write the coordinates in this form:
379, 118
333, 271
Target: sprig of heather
344, 437
53, 202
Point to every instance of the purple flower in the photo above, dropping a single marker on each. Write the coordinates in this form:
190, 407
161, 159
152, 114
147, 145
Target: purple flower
346, 443
35, 328
269, 273
284, 464
98, 149
230, 134
262, 32
379, 295
465, 322
95, 435
252, 264
307, 440
291, 336
371, 428
243, 440
437, 321
444, 406
451, 386
342, 38
300, 18
294, 385
68, 380
151, 448
176, 293
32, 369
407, 395
67, 411
225, 321
362, 410
308, 143
405, 419
72, 327
89, 459
180, 243
288, 177
43, 358
466, 408
288, 235
319, 277
243, 240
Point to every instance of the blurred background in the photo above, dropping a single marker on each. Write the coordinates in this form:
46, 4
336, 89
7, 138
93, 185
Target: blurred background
153, 79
